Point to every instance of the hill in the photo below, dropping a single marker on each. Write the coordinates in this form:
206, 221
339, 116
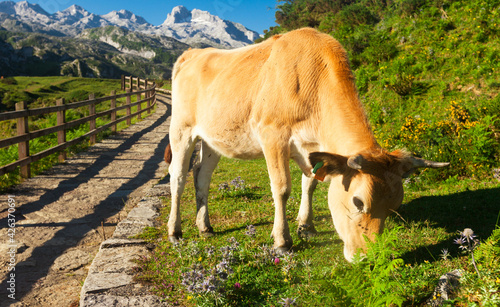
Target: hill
427, 72
96, 53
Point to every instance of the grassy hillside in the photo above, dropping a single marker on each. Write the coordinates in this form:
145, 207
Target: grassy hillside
428, 72
43, 91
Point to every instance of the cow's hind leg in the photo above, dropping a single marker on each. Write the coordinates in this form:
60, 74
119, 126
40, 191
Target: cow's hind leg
202, 177
182, 146
305, 216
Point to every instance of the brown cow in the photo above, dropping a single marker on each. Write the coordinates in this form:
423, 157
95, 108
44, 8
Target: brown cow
290, 97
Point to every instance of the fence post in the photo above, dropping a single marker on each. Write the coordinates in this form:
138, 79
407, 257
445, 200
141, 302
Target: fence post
148, 103
139, 97
113, 113
130, 82
154, 95
138, 83
92, 124
123, 82
61, 135
24, 147
129, 120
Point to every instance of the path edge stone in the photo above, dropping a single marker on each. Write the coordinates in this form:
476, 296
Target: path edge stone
112, 267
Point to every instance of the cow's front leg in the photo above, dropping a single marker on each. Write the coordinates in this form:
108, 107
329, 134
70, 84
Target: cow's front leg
277, 159
305, 216
202, 177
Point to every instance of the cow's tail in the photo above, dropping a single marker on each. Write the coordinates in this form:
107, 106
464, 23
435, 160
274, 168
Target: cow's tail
168, 154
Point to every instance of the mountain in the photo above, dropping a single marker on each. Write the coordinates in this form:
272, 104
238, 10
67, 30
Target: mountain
196, 27
76, 42
105, 52
127, 20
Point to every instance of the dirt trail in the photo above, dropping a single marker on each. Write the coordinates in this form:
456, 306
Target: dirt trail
61, 215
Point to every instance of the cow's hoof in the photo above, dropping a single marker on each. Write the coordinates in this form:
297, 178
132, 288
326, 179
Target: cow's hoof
281, 250
174, 239
207, 234
306, 231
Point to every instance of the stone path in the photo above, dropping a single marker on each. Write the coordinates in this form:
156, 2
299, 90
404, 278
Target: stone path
64, 215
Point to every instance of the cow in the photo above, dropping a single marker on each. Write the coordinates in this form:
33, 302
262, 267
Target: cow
292, 96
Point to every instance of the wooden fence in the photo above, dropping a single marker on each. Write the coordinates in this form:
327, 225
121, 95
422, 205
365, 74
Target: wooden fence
141, 88
137, 83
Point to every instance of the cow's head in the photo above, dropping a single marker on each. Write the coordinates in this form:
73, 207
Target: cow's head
364, 190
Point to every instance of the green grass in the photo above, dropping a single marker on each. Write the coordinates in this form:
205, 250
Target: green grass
43, 92
403, 269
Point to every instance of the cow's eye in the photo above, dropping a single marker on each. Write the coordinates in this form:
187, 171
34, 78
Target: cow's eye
358, 203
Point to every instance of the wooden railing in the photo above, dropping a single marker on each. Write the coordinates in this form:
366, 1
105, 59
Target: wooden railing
143, 88
137, 83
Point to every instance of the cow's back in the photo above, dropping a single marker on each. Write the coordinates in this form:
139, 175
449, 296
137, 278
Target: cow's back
228, 95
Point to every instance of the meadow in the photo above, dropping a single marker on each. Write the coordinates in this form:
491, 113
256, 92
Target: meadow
238, 267
427, 74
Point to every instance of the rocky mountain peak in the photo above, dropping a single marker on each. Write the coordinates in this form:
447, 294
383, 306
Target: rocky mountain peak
179, 14
75, 10
25, 8
124, 15
204, 17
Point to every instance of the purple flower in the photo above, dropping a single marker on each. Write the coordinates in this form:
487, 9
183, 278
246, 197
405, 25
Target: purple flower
276, 260
237, 285
251, 231
459, 241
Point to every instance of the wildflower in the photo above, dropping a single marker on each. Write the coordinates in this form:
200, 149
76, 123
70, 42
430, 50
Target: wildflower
459, 241
276, 260
237, 285
224, 186
251, 231
496, 173
469, 234
238, 183
468, 243
445, 254
288, 302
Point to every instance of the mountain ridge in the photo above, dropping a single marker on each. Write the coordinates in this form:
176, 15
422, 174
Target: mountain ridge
195, 27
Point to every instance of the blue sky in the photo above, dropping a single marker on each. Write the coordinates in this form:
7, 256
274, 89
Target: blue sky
256, 15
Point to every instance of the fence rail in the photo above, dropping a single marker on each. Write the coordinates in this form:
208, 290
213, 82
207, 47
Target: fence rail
142, 88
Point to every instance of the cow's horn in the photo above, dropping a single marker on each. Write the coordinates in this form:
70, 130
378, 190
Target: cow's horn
418, 163
355, 162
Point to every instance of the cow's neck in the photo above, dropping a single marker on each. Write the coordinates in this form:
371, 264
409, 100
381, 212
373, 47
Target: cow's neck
345, 129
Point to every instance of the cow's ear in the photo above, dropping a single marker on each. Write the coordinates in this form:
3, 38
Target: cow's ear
325, 163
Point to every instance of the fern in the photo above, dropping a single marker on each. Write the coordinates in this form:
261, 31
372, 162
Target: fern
371, 280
